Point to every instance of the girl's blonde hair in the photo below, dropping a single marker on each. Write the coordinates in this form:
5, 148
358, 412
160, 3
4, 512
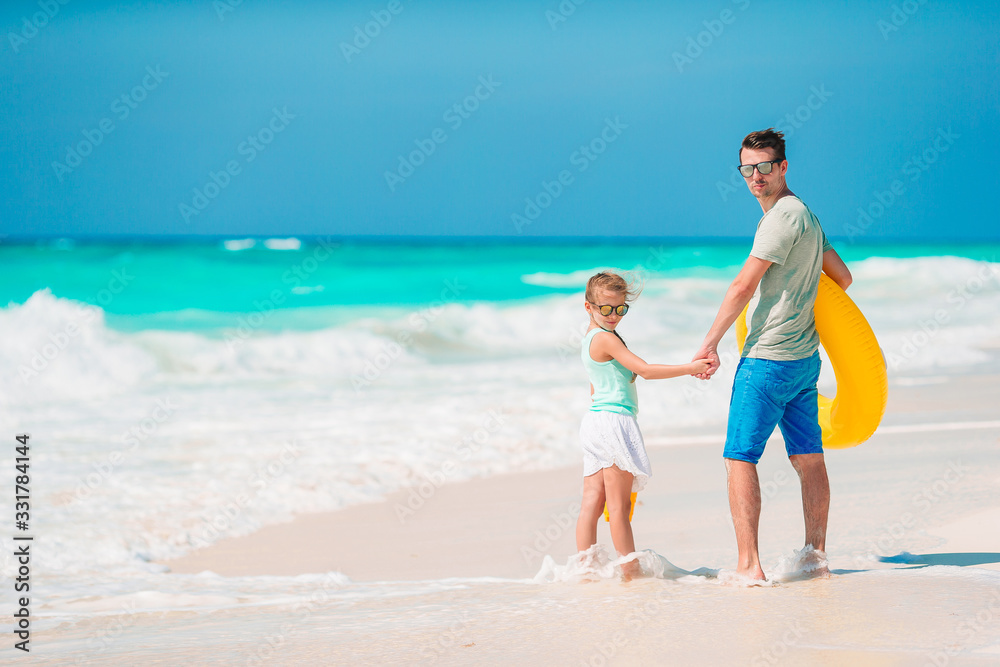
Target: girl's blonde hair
613, 282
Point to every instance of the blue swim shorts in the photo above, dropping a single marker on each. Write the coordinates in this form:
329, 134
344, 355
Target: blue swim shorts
768, 393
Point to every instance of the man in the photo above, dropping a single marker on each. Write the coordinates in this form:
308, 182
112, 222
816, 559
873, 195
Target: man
775, 382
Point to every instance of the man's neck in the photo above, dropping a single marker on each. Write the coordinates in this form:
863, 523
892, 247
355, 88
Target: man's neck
768, 203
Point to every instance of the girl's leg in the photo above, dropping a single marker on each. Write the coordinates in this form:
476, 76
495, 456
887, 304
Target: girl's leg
618, 487
591, 509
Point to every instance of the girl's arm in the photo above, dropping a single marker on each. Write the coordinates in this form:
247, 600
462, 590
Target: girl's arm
611, 347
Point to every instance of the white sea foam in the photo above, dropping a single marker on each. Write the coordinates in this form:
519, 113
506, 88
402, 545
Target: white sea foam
575, 279
596, 564
307, 289
235, 245
56, 348
733, 579
805, 563
283, 244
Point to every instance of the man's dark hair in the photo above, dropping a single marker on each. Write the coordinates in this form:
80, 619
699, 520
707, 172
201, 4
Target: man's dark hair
769, 138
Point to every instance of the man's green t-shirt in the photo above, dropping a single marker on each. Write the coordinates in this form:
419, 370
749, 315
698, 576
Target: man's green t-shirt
780, 320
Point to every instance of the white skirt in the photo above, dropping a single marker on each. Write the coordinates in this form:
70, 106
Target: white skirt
612, 438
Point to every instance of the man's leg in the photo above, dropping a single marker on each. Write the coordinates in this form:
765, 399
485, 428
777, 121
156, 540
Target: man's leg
744, 504
753, 415
804, 444
815, 496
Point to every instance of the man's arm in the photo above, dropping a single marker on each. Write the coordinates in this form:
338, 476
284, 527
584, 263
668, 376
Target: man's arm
737, 297
834, 267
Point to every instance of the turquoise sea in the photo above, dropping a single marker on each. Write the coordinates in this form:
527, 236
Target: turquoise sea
201, 284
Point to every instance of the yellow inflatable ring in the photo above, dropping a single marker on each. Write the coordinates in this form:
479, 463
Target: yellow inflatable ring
850, 417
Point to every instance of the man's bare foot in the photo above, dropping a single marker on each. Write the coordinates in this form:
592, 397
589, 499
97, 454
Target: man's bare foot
805, 563
748, 566
744, 578
756, 574
813, 562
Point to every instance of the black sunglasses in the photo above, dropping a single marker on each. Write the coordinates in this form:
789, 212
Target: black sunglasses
763, 167
607, 310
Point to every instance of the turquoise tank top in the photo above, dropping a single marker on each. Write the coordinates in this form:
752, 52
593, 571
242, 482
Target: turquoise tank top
614, 390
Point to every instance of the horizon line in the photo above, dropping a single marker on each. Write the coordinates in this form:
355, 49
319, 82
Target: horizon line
454, 239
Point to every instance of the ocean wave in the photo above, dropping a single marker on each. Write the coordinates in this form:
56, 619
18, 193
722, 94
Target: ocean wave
235, 245
927, 313
575, 279
56, 348
283, 244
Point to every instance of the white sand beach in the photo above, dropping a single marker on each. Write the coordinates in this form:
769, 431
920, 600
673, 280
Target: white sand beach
914, 551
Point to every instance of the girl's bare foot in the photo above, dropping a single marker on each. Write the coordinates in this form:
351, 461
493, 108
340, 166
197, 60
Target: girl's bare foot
630, 570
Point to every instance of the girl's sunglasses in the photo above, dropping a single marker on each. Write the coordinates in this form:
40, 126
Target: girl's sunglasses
607, 310
763, 167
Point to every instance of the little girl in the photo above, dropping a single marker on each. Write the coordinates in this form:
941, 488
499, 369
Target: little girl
614, 456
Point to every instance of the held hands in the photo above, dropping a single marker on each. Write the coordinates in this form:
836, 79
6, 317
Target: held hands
699, 367
708, 356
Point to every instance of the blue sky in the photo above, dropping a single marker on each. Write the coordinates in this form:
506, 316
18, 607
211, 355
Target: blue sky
623, 119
